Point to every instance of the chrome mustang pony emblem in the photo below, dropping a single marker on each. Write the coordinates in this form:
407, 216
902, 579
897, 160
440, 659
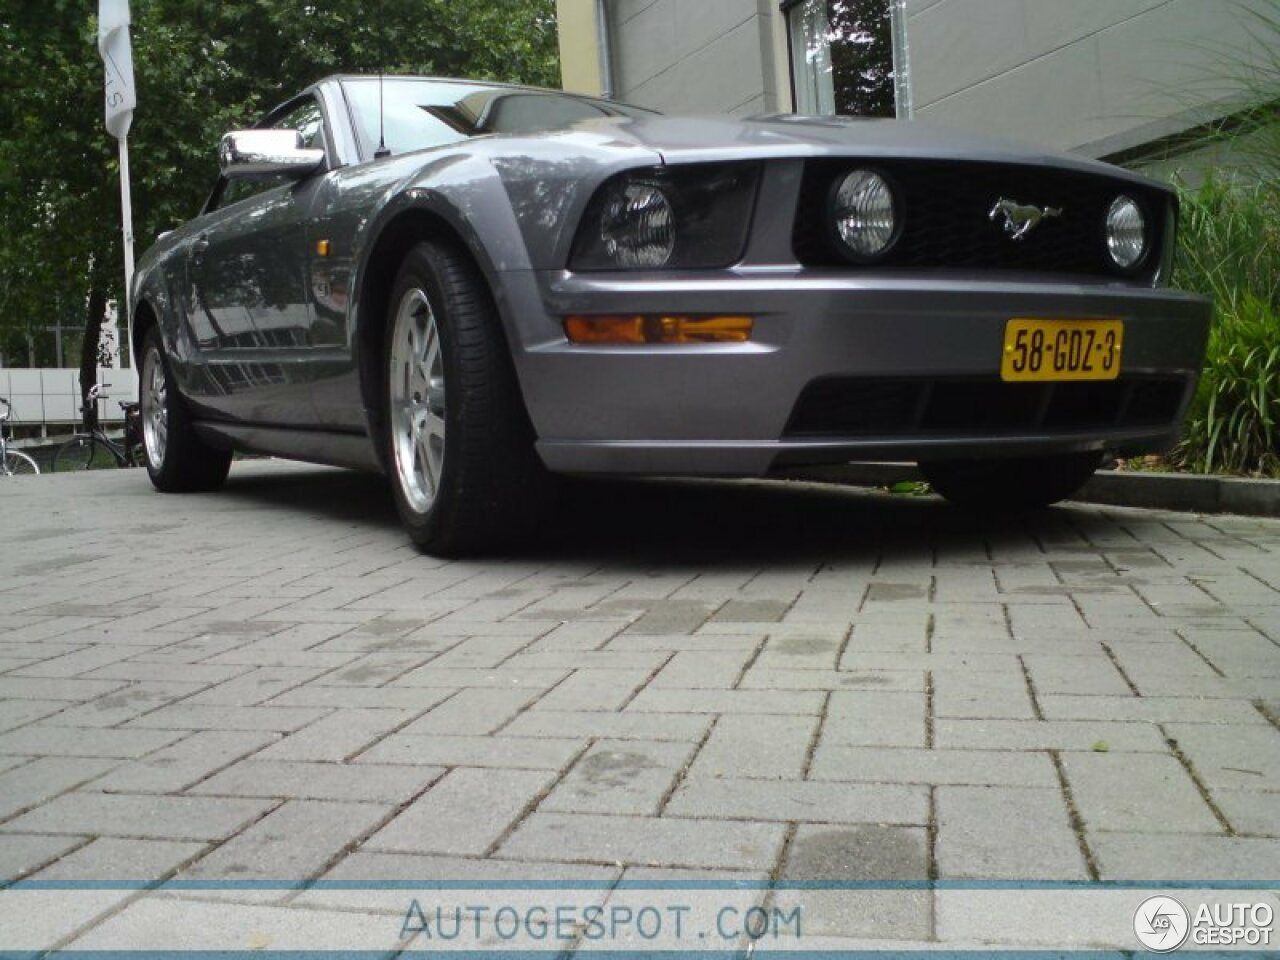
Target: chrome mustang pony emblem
1020, 219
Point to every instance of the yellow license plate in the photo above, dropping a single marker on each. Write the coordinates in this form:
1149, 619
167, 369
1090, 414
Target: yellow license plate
1036, 350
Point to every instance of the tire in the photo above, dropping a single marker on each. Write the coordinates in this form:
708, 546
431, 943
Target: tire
458, 444
178, 461
75, 454
18, 464
1025, 483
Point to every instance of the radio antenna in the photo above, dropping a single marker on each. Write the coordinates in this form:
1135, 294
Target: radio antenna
382, 150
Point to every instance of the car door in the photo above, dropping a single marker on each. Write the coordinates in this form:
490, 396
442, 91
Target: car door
249, 310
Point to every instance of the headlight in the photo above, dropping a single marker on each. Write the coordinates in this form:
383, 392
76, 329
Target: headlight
865, 214
690, 217
1126, 233
638, 228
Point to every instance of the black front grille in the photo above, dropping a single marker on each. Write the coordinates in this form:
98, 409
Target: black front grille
946, 207
937, 407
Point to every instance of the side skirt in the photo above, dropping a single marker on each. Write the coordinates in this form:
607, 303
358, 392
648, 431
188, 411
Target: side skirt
352, 450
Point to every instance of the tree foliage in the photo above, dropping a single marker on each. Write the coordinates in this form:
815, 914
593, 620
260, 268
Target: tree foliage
201, 69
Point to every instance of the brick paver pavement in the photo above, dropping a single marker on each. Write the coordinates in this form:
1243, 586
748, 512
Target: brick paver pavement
749, 680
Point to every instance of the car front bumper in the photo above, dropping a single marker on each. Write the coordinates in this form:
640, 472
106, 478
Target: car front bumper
926, 342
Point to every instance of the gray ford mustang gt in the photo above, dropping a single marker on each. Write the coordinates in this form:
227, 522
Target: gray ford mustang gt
469, 286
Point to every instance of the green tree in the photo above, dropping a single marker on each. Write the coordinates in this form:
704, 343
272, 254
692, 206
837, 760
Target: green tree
201, 69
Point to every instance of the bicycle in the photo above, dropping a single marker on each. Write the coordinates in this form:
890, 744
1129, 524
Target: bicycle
12, 462
81, 451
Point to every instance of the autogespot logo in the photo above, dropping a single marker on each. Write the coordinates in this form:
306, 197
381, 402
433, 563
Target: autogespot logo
1162, 924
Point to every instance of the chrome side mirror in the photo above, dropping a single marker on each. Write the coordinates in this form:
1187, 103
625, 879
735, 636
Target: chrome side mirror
262, 154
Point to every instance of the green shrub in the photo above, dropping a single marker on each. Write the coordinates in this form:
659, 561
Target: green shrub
1231, 250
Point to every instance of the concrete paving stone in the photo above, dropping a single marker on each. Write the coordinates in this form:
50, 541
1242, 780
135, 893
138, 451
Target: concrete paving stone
188, 716
798, 652
1131, 709
1136, 792
699, 669
752, 611
661, 841
378, 868
868, 853
145, 817
502, 752
728, 701
255, 687
594, 689
766, 678
616, 726
756, 747
341, 735
121, 861
502, 678
19, 713
1231, 757
973, 664
978, 693
473, 712
579, 635
414, 699
1250, 812
184, 763
123, 705
800, 801
228, 929
366, 782
707, 639
673, 617
1095, 675
293, 842
464, 814
608, 658
620, 777
160, 671
1236, 652
21, 855
78, 662
959, 767
40, 739
44, 778
69, 689
1087, 735
1006, 833
1145, 856
874, 718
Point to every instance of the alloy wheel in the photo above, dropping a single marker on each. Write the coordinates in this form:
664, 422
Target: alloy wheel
416, 372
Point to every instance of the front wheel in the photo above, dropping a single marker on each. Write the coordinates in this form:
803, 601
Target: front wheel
178, 461
1023, 483
76, 454
17, 464
459, 447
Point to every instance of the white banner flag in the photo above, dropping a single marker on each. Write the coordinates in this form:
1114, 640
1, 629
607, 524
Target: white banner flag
117, 56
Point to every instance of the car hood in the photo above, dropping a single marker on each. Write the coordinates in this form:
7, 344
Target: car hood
710, 139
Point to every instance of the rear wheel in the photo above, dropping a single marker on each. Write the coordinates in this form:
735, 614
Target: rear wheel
178, 461
1024, 483
459, 447
76, 454
18, 464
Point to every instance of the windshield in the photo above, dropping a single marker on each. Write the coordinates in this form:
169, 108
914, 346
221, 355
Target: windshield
432, 113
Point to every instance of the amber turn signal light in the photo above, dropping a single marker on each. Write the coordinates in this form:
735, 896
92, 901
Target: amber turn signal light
641, 329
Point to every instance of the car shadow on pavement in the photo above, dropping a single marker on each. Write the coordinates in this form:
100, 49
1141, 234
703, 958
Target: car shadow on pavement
682, 521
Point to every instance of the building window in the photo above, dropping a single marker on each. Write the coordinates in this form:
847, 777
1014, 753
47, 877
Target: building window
848, 57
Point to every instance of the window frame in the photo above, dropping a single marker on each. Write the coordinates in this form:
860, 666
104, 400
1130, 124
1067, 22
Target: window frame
899, 52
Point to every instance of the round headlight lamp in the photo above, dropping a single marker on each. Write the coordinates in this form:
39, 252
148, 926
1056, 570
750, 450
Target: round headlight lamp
865, 215
1126, 233
638, 227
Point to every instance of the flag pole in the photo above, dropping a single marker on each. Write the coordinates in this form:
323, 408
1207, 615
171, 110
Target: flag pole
126, 208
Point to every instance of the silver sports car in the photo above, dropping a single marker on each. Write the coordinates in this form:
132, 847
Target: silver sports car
470, 286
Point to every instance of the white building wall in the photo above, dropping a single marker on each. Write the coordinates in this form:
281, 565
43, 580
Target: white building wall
1093, 76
